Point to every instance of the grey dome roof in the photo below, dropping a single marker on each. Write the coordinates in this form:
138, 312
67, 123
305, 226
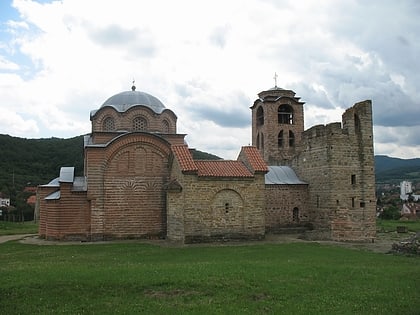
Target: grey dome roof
125, 100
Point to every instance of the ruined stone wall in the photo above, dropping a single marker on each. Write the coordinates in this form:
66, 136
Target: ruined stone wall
338, 164
286, 206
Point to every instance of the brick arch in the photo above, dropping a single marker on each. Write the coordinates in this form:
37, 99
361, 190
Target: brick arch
135, 172
227, 212
135, 138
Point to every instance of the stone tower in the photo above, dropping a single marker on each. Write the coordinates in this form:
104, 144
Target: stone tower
277, 125
338, 161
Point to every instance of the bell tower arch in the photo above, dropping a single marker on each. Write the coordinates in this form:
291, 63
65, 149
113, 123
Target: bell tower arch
277, 125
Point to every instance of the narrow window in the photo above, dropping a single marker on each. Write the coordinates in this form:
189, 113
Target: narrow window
353, 179
285, 114
258, 141
317, 201
296, 214
165, 126
362, 204
352, 202
260, 116
356, 123
227, 206
291, 139
280, 139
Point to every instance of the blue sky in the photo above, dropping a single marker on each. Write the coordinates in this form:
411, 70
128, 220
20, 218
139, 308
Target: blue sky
208, 60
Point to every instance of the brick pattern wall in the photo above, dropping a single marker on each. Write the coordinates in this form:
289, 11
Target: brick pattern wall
124, 121
126, 187
66, 218
280, 202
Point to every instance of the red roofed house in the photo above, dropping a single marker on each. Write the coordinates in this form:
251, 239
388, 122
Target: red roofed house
141, 181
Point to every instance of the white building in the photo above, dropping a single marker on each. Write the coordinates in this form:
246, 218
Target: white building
406, 189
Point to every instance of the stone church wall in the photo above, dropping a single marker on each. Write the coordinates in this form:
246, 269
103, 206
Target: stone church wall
286, 206
215, 209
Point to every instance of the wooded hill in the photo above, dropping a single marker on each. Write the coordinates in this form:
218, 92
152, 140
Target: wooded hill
32, 162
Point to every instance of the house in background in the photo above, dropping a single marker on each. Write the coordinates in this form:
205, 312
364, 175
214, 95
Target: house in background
4, 201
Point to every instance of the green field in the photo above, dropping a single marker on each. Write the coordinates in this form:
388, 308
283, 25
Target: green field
8, 228
391, 225
136, 278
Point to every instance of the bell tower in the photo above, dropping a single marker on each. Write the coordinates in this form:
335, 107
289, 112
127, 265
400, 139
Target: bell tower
277, 125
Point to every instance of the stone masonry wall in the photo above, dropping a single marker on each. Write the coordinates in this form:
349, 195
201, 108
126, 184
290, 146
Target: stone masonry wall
280, 202
215, 209
338, 164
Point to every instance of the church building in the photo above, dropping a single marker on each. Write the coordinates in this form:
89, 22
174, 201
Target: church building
140, 179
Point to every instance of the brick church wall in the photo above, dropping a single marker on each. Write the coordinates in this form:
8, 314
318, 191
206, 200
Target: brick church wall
66, 218
126, 182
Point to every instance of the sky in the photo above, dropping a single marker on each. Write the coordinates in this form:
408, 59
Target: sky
207, 61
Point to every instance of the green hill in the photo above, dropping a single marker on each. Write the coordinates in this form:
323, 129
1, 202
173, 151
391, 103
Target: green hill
37, 161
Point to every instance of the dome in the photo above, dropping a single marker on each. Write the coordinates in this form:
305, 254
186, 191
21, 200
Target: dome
125, 100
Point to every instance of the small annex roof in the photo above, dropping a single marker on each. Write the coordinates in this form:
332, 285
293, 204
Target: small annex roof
53, 183
222, 168
53, 196
282, 175
213, 168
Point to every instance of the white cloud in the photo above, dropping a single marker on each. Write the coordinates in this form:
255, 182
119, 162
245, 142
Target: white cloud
208, 60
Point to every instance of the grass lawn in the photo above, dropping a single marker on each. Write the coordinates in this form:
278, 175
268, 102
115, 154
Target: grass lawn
7, 228
135, 278
391, 225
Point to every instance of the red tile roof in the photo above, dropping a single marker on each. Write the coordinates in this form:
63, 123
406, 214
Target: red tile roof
222, 168
184, 157
255, 159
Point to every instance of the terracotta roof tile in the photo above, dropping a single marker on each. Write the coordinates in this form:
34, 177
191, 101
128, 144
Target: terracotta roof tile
222, 168
255, 159
184, 157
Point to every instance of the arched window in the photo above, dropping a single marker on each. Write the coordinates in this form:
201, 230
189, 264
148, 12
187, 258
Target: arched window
291, 139
295, 214
165, 126
108, 124
280, 139
260, 116
285, 114
139, 123
258, 141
